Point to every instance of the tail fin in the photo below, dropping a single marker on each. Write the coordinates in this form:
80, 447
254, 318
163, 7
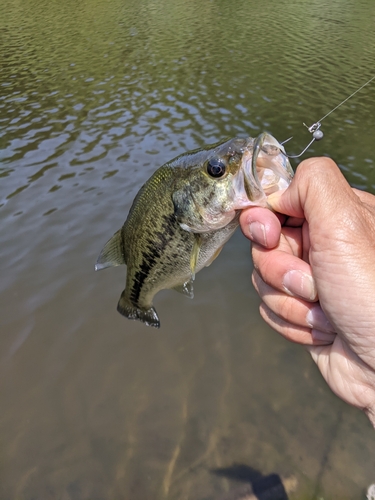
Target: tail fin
148, 316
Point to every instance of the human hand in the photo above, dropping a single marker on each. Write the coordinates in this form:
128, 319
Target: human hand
315, 273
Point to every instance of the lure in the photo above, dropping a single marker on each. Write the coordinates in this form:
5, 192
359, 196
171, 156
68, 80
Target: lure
314, 129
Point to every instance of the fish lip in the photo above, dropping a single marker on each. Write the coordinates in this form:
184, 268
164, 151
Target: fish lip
264, 155
268, 157
271, 146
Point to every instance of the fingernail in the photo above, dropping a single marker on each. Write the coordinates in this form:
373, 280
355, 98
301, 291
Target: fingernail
323, 336
316, 318
300, 284
258, 233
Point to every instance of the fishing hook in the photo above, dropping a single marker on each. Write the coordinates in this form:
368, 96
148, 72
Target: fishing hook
317, 134
314, 129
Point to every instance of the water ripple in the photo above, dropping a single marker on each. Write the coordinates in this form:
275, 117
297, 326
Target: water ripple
94, 96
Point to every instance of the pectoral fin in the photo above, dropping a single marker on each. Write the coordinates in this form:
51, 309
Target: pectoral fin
195, 254
112, 253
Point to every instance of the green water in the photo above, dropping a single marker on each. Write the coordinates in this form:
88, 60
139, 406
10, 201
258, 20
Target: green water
94, 96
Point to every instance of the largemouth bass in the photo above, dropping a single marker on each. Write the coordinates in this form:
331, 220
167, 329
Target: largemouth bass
184, 214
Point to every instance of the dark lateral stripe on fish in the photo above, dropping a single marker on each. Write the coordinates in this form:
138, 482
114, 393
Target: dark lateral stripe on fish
153, 254
149, 260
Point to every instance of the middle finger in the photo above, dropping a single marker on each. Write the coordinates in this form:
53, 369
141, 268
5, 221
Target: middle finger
291, 309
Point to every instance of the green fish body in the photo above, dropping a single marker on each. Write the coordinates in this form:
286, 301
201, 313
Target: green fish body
184, 214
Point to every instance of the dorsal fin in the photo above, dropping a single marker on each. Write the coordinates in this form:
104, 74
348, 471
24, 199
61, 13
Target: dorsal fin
112, 254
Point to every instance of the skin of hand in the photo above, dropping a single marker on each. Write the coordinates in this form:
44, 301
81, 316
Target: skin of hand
315, 274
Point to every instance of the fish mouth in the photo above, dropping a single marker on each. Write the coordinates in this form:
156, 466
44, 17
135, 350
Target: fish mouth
265, 169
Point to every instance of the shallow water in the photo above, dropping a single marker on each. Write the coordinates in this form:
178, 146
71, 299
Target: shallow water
94, 96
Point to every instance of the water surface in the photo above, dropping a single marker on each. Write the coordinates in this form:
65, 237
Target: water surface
94, 96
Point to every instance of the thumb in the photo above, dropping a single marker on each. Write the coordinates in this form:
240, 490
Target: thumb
318, 189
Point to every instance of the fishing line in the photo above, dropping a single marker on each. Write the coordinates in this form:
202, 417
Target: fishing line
314, 128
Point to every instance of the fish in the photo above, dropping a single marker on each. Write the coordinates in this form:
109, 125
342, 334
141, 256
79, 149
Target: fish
184, 214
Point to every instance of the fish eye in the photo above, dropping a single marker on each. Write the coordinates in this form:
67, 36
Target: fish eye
215, 168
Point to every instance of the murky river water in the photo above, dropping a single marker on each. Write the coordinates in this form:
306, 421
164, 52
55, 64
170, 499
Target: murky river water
94, 96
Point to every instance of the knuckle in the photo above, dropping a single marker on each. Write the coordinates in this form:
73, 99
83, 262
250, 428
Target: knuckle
311, 166
286, 309
316, 171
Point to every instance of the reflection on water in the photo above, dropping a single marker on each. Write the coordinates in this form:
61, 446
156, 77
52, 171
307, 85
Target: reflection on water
94, 96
